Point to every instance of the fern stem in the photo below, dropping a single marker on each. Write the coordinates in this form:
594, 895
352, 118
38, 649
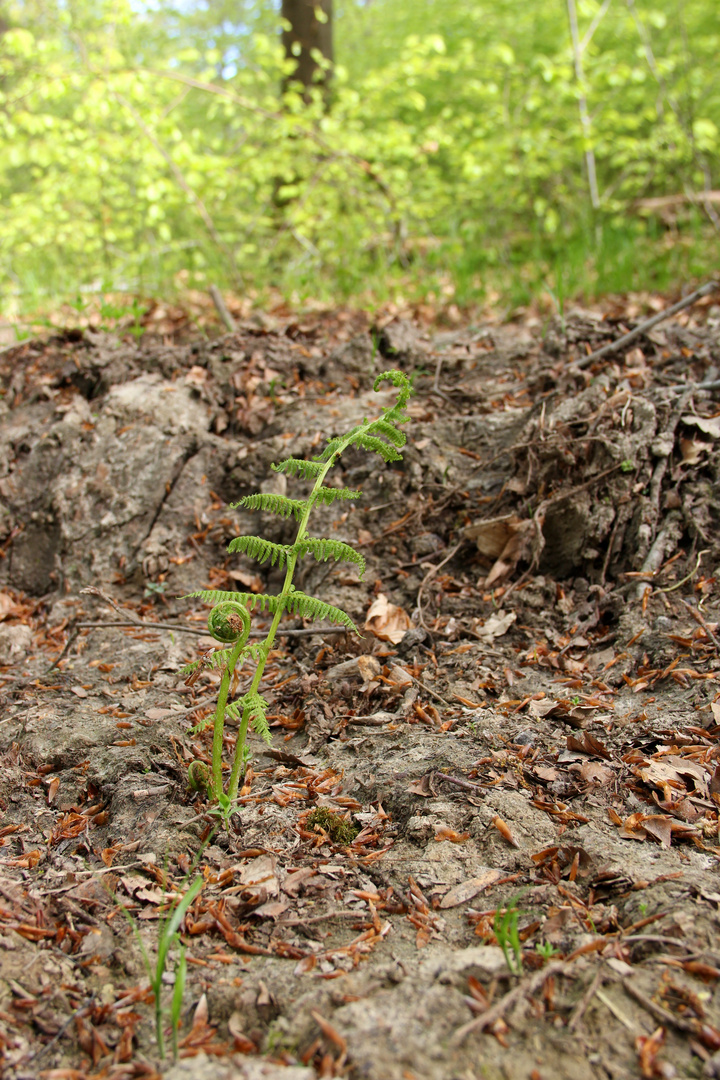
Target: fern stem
219, 725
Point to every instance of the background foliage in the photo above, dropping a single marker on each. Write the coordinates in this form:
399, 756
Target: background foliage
147, 147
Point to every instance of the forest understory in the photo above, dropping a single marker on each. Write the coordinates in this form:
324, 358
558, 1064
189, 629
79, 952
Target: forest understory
485, 841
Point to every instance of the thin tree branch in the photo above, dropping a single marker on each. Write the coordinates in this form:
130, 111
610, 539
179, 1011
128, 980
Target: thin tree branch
582, 105
704, 290
594, 25
182, 182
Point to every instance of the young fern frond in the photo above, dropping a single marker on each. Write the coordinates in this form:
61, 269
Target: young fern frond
323, 549
305, 470
229, 620
328, 495
308, 607
273, 504
262, 550
257, 708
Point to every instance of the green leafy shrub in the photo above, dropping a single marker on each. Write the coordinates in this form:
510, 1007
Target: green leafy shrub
452, 158
229, 620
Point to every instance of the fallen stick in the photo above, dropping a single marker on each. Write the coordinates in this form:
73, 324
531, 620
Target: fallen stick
664, 1016
704, 290
198, 632
221, 308
582, 1005
496, 1012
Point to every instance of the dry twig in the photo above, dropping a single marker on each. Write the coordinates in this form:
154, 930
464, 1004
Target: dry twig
704, 290
524, 989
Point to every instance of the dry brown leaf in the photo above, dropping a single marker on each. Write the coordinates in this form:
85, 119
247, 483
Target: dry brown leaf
648, 1047
659, 826
587, 744
715, 782
516, 548
235, 1028
709, 425
546, 773
504, 830
306, 964
271, 910
631, 827
259, 877
387, 621
421, 787
592, 772
8, 607
444, 833
672, 769
329, 1031
466, 890
493, 535
200, 1017
295, 881
692, 450
497, 625
252, 582
538, 709
369, 668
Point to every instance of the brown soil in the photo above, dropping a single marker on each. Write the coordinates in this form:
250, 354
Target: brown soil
539, 751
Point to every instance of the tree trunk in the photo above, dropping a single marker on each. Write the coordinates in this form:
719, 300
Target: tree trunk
307, 36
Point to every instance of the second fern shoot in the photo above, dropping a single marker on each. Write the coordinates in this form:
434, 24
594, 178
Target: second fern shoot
229, 620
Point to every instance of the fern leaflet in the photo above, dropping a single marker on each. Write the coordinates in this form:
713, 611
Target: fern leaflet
261, 600
297, 467
403, 384
389, 432
215, 596
250, 600
272, 504
257, 707
308, 607
328, 495
323, 549
221, 656
209, 660
378, 446
332, 448
262, 550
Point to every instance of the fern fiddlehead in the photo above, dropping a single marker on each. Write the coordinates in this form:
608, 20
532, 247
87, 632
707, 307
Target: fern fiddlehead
229, 620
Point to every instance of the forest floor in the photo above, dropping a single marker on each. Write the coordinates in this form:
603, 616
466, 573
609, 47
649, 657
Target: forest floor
524, 735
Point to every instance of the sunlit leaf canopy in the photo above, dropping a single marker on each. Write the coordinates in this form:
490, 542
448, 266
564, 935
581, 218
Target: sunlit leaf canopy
149, 147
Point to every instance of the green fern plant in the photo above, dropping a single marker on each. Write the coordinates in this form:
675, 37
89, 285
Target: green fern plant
229, 620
